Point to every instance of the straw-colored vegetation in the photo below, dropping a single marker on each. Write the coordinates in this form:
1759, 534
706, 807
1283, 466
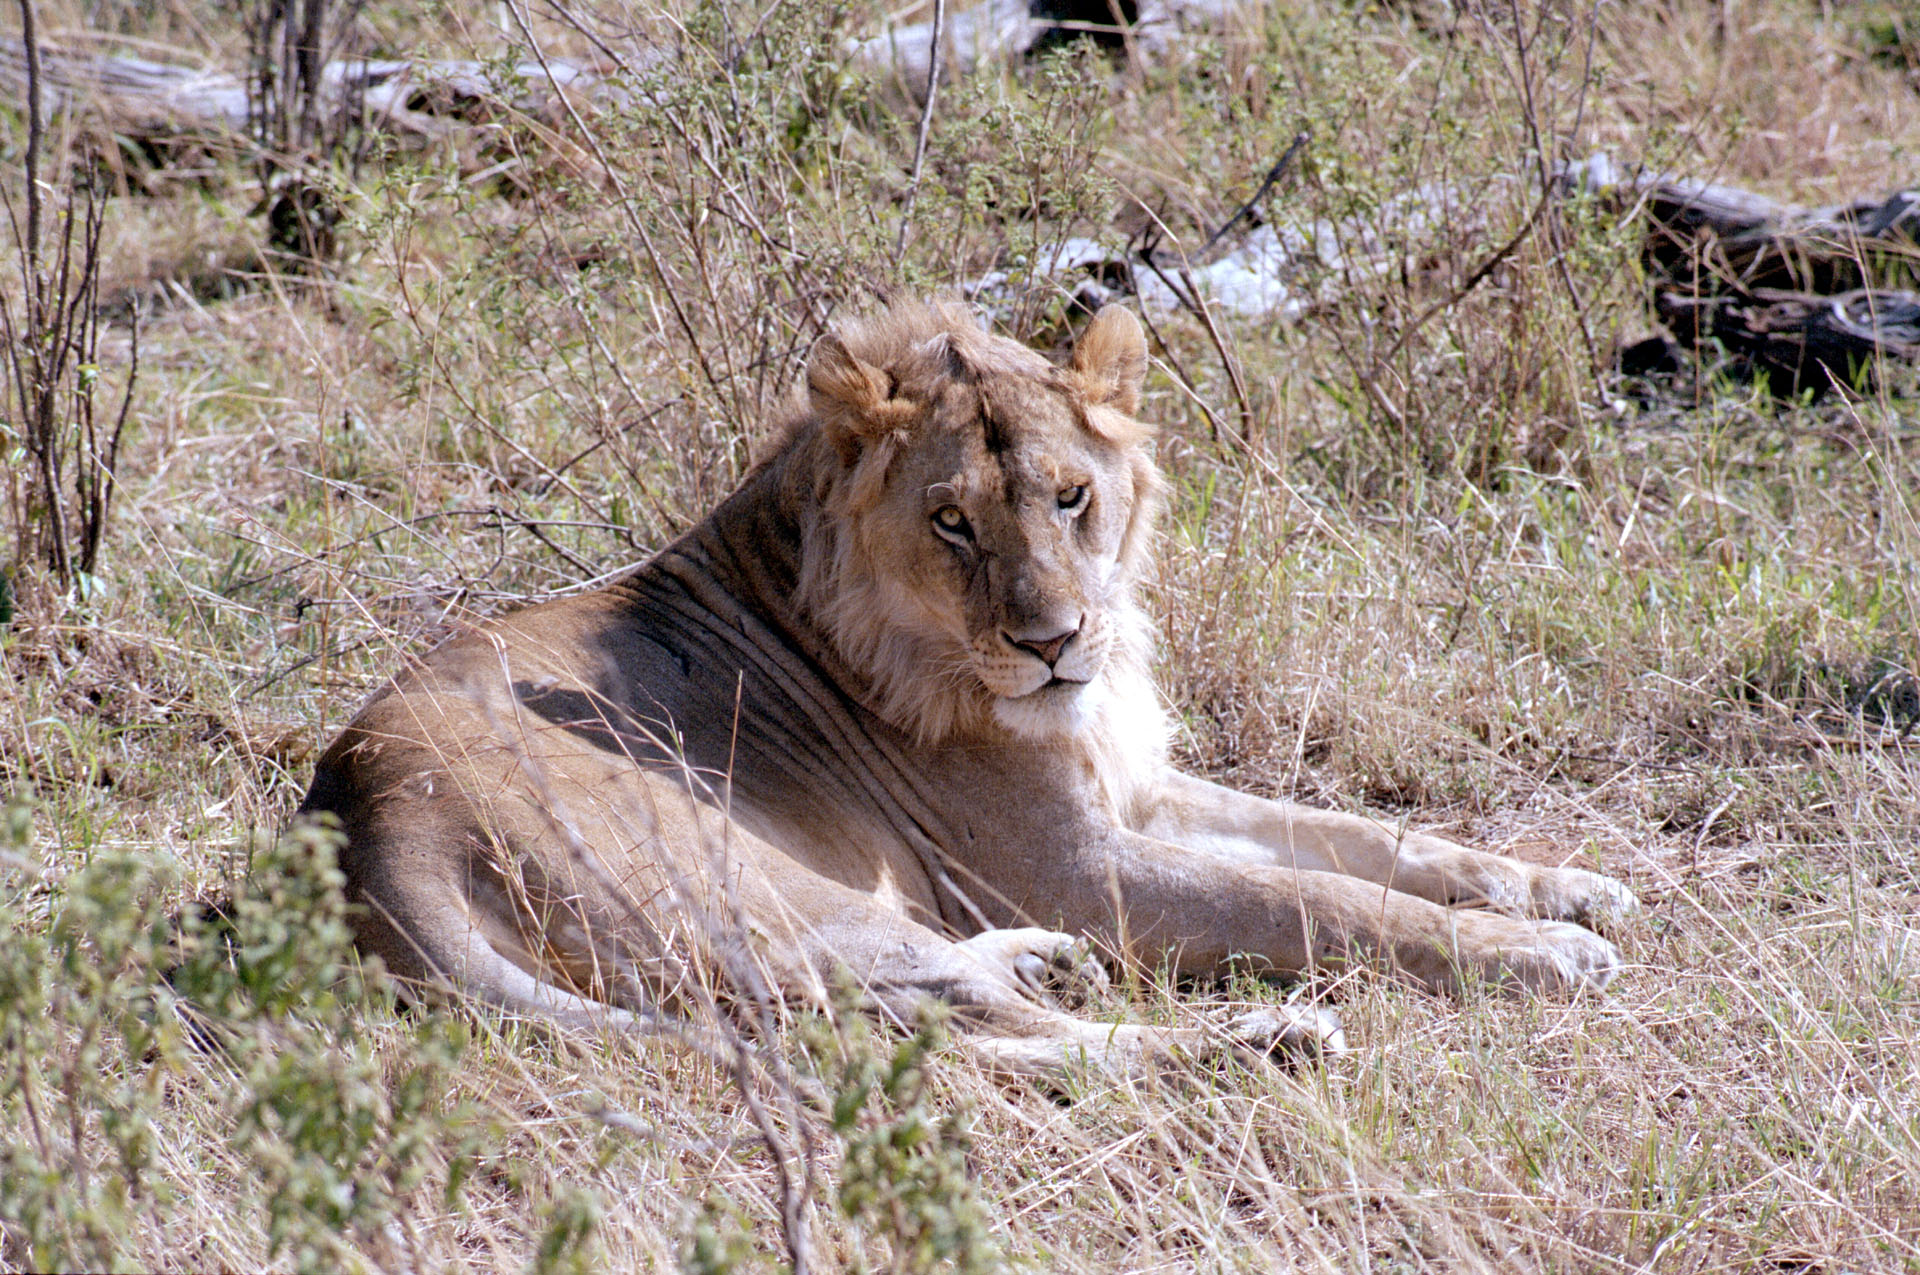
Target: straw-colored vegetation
1426, 556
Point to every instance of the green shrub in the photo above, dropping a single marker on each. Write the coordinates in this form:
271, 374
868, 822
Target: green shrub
267, 1008
903, 1150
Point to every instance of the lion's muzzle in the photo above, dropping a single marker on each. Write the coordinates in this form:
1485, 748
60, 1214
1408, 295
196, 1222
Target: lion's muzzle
1047, 650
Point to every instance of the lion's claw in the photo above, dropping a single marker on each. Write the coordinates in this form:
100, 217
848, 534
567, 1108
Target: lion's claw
1574, 894
1290, 1033
1050, 966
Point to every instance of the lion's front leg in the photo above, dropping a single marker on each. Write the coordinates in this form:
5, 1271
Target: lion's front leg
1053, 967
1219, 822
1205, 914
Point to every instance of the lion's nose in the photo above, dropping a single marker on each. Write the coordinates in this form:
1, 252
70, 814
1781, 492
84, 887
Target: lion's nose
1047, 648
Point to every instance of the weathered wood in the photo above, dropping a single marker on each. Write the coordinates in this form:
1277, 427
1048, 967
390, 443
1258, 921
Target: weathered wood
417, 96
1799, 340
1746, 243
1812, 297
1003, 30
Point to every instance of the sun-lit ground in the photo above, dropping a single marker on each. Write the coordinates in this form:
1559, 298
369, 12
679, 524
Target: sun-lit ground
1426, 556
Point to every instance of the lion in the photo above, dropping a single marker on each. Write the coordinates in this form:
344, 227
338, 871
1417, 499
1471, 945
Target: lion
885, 719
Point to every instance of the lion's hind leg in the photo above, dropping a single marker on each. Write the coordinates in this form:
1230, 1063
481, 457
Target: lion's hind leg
439, 944
489, 977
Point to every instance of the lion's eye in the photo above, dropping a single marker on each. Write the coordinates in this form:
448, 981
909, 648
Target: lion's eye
1072, 498
949, 521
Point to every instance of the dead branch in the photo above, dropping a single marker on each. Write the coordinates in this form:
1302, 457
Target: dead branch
422, 97
1811, 297
1003, 30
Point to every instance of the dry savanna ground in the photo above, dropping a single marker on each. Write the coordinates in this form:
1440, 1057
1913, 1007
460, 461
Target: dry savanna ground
1427, 556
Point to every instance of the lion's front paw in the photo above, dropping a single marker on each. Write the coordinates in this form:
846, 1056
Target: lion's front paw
1539, 955
1053, 968
1574, 894
1289, 1033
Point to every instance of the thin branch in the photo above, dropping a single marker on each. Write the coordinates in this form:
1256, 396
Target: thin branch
1188, 294
1274, 174
926, 126
1473, 281
110, 459
36, 129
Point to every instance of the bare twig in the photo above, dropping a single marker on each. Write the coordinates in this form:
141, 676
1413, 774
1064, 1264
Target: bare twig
1523, 75
1370, 381
926, 126
1194, 302
1274, 174
51, 364
36, 131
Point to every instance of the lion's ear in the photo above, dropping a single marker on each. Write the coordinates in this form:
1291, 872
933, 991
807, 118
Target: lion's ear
853, 399
1111, 359
840, 382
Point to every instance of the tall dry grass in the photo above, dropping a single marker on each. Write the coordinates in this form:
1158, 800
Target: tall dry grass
1426, 557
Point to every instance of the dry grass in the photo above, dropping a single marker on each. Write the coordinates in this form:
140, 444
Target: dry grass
1468, 584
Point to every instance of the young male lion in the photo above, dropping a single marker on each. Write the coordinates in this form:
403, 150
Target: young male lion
885, 715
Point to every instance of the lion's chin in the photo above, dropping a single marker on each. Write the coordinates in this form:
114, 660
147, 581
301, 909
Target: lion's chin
1058, 707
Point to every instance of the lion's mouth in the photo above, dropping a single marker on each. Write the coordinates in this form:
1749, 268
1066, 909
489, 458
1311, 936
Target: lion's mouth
1055, 685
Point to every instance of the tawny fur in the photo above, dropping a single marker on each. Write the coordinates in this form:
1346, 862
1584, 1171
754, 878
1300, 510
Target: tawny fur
887, 713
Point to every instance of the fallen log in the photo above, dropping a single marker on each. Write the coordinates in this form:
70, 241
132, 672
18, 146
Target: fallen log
1005, 30
1705, 230
1871, 242
1812, 298
1800, 341
160, 103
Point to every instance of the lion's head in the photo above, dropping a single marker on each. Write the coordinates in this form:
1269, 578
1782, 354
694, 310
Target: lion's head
983, 517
